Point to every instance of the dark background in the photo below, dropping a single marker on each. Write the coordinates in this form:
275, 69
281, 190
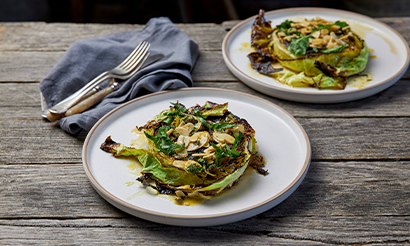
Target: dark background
179, 11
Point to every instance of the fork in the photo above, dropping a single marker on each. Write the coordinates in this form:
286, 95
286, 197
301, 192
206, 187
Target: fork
122, 71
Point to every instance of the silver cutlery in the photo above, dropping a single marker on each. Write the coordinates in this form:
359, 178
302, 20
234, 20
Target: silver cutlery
123, 71
93, 97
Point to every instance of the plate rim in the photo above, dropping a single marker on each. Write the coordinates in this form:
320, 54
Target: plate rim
101, 189
323, 93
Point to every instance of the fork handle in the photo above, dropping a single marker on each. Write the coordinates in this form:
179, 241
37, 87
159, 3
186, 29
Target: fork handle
64, 105
91, 101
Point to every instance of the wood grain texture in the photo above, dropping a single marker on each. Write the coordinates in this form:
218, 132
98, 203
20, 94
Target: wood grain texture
369, 188
37, 47
359, 135
331, 139
39, 36
392, 102
337, 203
255, 231
356, 192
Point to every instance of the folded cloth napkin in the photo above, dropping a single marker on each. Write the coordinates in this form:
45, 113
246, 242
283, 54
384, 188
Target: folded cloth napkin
86, 59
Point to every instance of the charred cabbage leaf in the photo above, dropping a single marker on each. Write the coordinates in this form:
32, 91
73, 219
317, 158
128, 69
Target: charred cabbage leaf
314, 53
201, 150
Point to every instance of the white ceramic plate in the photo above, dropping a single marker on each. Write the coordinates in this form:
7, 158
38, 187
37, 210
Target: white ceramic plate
389, 60
280, 137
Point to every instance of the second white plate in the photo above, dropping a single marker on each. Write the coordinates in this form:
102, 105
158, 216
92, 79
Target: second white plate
281, 140
389, 60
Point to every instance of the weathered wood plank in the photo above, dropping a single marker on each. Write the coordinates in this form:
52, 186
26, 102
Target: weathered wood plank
40, 36
38, 141
17, 38
392, 102
357, 134
22, 100
33, 66
387, 230
330, 189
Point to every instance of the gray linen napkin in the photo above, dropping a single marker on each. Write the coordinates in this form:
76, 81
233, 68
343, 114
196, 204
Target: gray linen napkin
85, 59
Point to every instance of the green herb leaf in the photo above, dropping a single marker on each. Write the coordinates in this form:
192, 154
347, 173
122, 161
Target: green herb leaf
222, 125
299, 46
163, 142
227, 151
238, 139
334, 50
341, 24
168, 120
284, 26
195, 168
216, 126
199, 114
178, 111
320, 26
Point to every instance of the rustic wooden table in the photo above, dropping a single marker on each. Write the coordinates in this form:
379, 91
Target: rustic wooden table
357, 190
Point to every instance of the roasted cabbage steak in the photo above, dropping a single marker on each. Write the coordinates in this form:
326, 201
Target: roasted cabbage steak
313, 53
197, 151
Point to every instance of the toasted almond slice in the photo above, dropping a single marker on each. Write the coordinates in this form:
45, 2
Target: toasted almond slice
181, 153
334, 28
184, 129
316, 41
202, 137
330, 45
339, 42
324, 32
223, 138
316, 34
183, 164
326, 38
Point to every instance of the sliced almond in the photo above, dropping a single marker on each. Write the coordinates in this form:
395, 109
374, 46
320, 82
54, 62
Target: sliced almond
316, 41
324, 32
316, 34
181, 153
202, 137
185, 129
330, 45
184, 164
223, 138
334, 28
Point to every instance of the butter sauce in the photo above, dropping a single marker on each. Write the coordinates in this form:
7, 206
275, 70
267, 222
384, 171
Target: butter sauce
363, 30
246, 47
360, 81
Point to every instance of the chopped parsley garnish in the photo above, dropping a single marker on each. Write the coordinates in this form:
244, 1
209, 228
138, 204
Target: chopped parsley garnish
179, 109
163, 142
341, 24
216, 126
335, 49
285, 26
321, 26
168, 120
227, 151
195, 168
